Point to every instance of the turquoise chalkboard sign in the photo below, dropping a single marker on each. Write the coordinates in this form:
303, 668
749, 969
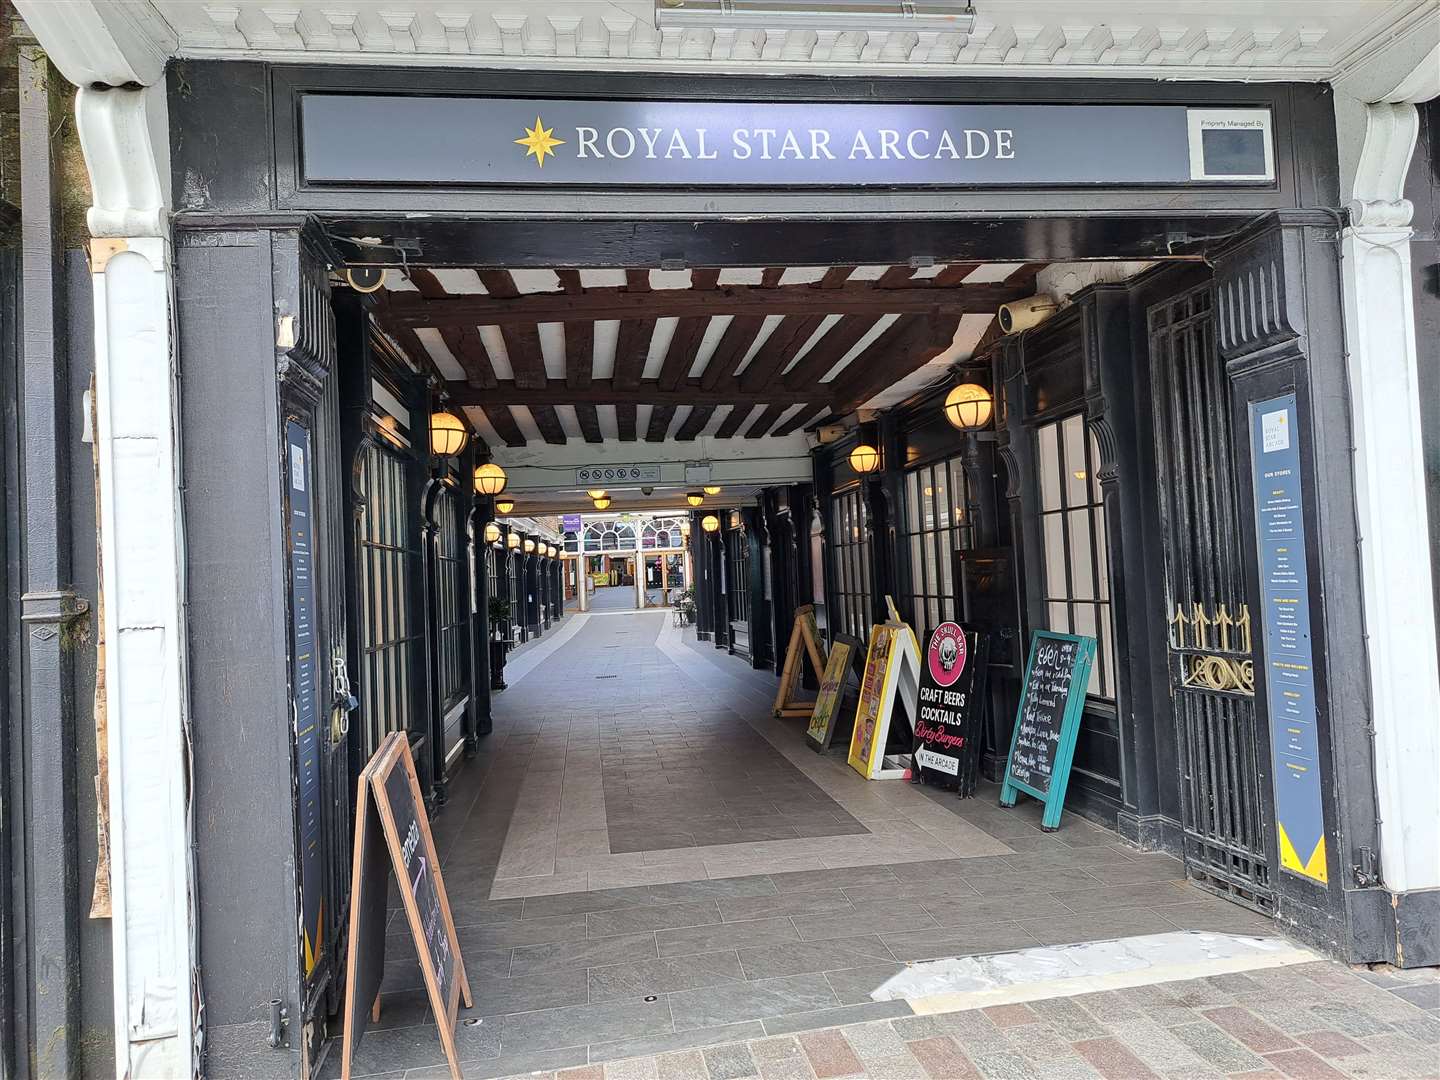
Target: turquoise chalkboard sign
1047, 721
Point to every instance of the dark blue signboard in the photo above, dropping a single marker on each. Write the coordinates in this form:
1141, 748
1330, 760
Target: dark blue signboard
403, 139
1289, 671
306, 690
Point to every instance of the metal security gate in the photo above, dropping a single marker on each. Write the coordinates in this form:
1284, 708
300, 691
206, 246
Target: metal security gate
1211, 640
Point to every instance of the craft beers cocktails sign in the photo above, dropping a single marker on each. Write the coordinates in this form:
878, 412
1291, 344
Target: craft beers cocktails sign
450, 141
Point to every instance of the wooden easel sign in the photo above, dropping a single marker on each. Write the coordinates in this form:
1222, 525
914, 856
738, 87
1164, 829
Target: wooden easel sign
1051, 701
391, 812
892, 673
820, 732
804, 641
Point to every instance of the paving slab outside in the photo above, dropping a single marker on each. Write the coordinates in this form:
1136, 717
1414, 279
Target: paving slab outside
651, 877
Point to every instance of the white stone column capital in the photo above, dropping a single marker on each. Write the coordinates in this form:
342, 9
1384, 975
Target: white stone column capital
125, 134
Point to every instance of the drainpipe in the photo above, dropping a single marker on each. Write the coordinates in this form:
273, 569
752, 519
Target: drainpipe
51, 613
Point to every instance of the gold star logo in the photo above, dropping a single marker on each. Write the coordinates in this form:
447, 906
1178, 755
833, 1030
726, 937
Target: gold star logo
539, 141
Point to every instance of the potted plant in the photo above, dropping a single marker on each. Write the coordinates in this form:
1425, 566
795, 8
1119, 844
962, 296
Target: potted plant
499, 613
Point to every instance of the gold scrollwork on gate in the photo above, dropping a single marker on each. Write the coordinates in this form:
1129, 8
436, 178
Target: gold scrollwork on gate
1214, 648
1211, 672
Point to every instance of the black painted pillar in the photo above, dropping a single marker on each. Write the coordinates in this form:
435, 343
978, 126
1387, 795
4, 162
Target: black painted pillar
49, 609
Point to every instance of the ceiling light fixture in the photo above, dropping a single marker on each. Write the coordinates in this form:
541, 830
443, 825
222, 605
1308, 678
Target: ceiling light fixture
596, 493
504, 506
694, 498
603, 502
711, 490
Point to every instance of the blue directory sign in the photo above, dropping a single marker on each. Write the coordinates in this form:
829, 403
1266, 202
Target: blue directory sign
306, 690
1289, 670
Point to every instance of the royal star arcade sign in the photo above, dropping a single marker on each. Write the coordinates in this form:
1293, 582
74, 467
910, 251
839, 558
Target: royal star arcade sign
461, 141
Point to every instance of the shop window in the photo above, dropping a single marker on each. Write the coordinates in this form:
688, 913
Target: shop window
737, 553
572, 542
939, 520
850, 552
495, 572
387, 637
1072, 526
661, 533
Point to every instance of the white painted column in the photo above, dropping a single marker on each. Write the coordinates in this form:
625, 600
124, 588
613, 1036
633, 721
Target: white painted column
1390, 496
125, 136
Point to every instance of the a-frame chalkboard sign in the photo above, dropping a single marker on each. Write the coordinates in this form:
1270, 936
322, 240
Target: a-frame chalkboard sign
390, 815
1051, 701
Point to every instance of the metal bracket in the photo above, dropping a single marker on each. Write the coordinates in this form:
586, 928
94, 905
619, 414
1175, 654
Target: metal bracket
58, 606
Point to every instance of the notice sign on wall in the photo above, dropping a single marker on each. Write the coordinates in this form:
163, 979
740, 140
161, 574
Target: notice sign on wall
1289, 670
305, 690
404, 139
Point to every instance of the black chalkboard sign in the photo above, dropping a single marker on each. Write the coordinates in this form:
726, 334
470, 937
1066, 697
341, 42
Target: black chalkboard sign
393, 790
953, 674
1051, 701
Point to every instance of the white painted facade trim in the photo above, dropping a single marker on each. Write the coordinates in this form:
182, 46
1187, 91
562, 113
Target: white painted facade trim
1383, 365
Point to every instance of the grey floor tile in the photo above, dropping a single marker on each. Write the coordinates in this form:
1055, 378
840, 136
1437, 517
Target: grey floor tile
697, 939
469, 911
1144, 868
549, 990
582, 1024
644, 977
930, 945
682, 1040
730, 1004
582, 903
507, 1065
887, 921
844, 1014
508, 935
635, 920
855, 985
1113, 897
811, 880
395, 1049
1218, 917
1106, 926
773, 961
960, 911
712, 889
585, 953
742, 909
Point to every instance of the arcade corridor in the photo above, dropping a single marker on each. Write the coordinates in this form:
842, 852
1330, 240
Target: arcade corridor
641, 860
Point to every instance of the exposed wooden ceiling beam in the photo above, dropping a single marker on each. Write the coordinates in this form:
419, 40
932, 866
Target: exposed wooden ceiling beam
909, 344
695, 422
608, 392
828, 351
503, 422
660, 417
799, 420
625, 421
463, 341
548, 421
632, 346
411, 309
589, 420
579, 354
730, 350
762, 425
731, 424
779, 349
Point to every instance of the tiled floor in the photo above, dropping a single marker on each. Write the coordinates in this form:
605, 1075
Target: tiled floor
629, 876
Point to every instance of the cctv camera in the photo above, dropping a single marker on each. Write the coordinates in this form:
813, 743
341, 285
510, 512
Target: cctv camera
647, 491
1023, 314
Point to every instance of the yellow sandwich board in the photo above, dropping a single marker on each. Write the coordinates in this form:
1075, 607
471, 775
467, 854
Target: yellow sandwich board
892, 674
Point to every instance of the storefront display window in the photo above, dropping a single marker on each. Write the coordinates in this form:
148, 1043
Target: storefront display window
1072, 527
938, 521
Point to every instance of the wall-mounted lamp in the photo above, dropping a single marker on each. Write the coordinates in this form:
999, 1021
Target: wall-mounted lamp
864, 459
504, 506
529, 546
492, 532
512, 541
490, 479
447, 434
694, 498
710, 523
736, 521
968, 407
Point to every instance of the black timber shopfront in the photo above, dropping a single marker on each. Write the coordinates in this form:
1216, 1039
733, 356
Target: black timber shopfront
1114, 494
